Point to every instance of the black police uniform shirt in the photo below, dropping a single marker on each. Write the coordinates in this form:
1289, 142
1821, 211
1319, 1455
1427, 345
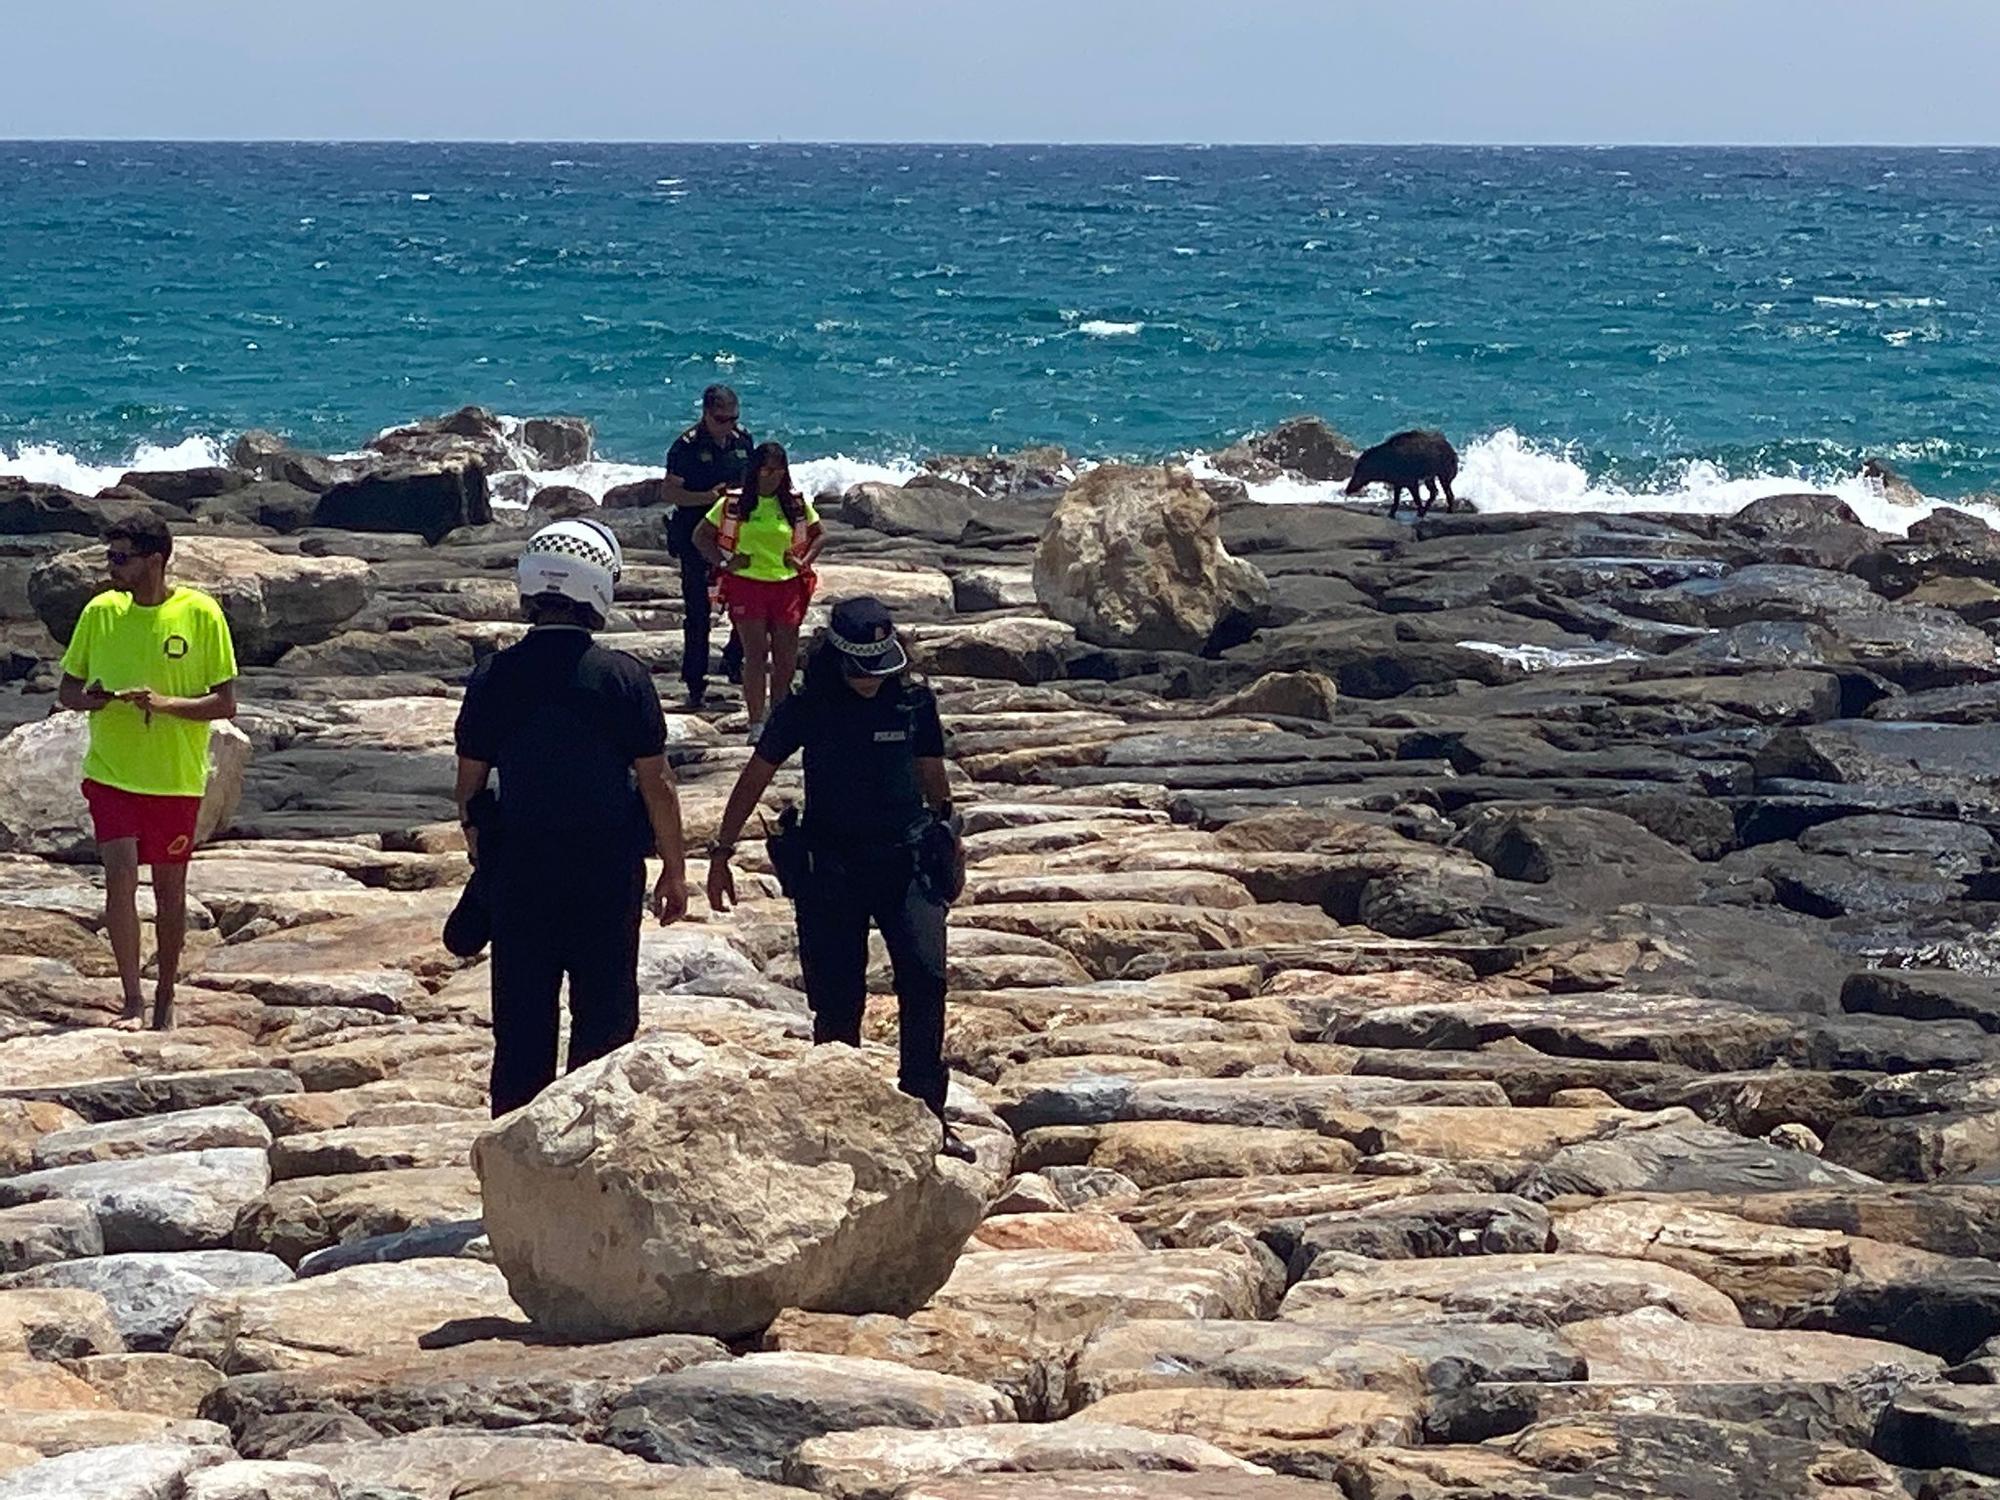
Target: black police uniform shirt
701, 463
861, 758
562, 719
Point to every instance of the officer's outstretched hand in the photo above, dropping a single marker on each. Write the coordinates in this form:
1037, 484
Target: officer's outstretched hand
721, 884
670, 894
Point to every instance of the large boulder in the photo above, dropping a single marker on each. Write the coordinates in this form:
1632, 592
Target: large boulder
1132, 558
676, 1187
42, 811
1305, 446
471, 432
273, 600
265, 455
29, 508
431, 498
558, 442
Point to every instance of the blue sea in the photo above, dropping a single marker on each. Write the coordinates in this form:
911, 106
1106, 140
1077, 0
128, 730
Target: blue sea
1638, 327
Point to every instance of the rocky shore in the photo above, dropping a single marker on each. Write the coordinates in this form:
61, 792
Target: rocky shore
1489, 1006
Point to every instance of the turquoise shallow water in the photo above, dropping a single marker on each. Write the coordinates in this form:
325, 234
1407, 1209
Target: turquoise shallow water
1760, 311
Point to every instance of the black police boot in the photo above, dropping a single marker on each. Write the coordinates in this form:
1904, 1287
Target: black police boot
955, 1148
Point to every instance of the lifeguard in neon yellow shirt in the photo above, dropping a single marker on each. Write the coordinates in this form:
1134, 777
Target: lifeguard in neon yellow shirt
153, 666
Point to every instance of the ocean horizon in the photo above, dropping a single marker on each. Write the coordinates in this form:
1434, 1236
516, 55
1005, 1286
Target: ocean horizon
1619, 327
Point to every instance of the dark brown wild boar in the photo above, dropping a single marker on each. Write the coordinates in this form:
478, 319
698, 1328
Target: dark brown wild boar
1409, 461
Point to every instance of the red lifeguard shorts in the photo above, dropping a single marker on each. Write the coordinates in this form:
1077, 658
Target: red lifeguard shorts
164, 826
782, 604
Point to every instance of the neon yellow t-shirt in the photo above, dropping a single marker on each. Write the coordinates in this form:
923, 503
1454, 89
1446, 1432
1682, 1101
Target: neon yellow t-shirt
764, 539
181, 648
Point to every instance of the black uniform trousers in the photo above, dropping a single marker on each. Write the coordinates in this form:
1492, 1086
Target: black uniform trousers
561, 910
697, 611
834, 909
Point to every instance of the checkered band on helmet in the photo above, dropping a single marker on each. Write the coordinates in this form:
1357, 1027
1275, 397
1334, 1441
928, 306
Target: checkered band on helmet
578, 559
587, 541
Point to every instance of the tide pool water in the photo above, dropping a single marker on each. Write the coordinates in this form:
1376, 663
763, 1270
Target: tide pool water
1622, 328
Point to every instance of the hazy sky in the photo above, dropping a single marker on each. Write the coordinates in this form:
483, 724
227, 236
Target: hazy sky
1007, 70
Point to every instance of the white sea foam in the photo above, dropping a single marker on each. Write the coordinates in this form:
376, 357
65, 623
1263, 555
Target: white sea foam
47, 463
1555, 658
1098, 328
815, 476
1506, 473
1500, 473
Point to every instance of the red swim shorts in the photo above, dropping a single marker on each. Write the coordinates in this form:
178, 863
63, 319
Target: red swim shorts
164, 826
782, 604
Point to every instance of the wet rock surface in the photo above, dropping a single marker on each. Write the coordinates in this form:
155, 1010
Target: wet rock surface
1492, 1006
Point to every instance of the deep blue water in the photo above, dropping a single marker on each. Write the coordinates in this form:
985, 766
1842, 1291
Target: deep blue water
1636, 308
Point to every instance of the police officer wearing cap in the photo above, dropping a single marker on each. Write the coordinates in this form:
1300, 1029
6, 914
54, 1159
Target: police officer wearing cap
576, 734
876, 843
706, 463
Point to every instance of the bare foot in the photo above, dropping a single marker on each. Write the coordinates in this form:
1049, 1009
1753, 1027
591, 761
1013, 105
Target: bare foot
163, 1013
134, 1018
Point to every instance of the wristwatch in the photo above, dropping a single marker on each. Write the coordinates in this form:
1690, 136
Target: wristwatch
719, 850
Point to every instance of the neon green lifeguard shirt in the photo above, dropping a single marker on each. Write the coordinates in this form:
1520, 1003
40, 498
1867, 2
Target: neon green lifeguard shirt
763, 539
179, 647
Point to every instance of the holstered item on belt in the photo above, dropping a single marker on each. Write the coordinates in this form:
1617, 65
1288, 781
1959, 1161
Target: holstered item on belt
469, 928
940, 858
790, 855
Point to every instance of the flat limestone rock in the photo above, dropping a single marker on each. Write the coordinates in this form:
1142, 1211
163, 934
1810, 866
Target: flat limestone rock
1298, 1431
1155, 1284
1271, 1103
57, 1323
1424, 1226
1652, 1346
54, 1433
364, 1310
154, 1135
1023, 1356
750, 1414
163, 1383
1151, 1354
434, 1467
490, 1385
1154, 1153
1937, 1427
40, 1234
1086, 1231
663, 1482
1544, 1290
42, 1385
262, 1479
186, 1201
150, 1295
377, 1148
121, 1471
1662, 1154
875, 1463
1768, 1270
157, 1092
23, 1122
1626, 1453
295, 1218
1071, 1485
364, 1104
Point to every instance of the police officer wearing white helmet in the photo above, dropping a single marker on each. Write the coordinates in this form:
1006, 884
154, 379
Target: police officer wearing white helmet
577, 738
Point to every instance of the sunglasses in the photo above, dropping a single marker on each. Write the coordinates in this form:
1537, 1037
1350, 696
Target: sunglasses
119, 556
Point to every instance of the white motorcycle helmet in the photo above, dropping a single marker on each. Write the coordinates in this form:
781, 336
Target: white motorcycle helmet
579, 559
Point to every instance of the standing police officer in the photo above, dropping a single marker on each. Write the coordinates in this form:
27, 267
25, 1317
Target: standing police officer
576, 734
875, 843
706, 463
